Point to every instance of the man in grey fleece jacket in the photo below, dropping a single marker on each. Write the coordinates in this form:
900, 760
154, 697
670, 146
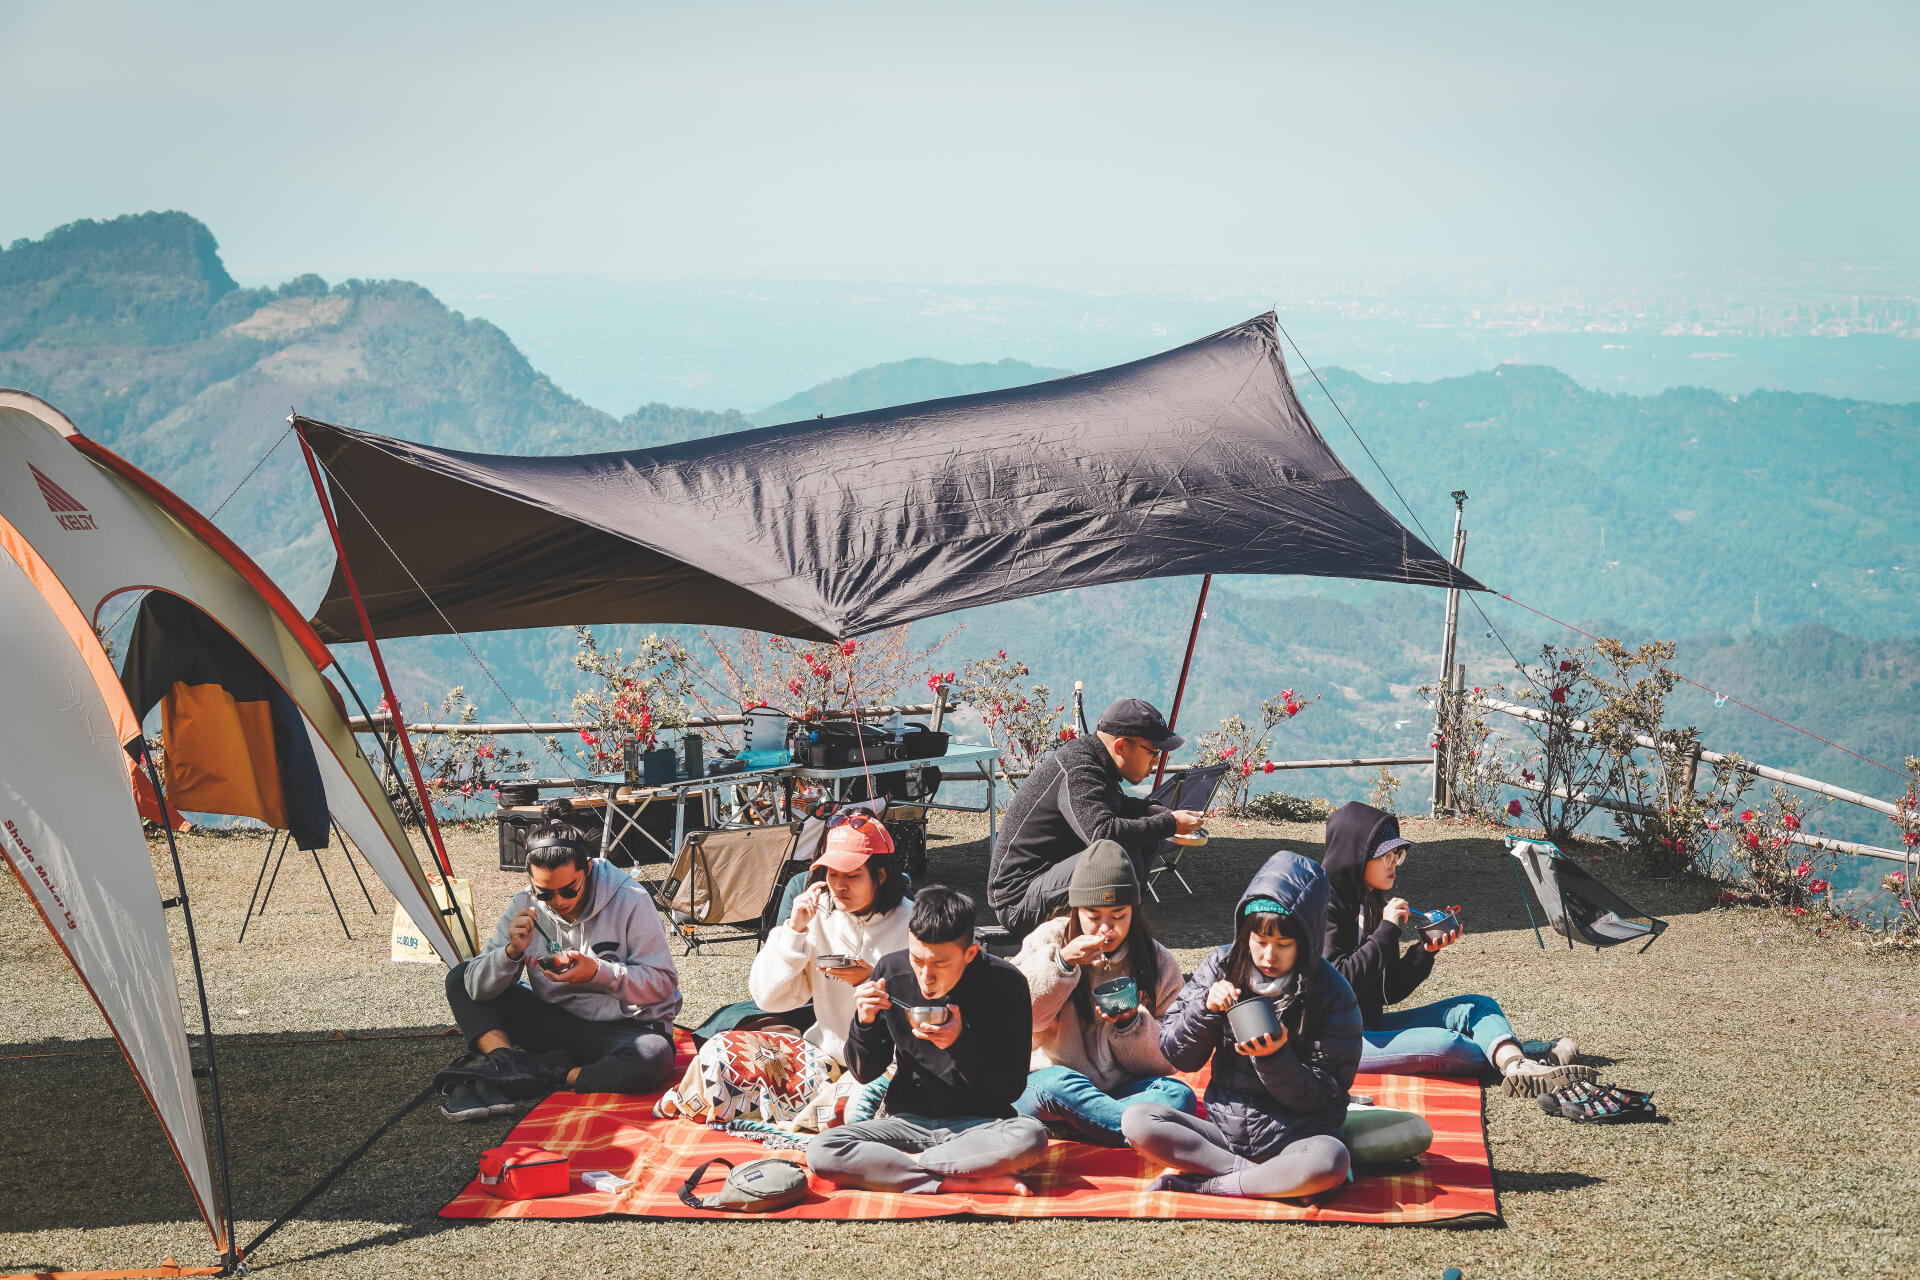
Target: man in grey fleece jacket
575, 989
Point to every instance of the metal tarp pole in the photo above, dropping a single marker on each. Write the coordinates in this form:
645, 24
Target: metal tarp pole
1442, 795
1193, 637
379, 664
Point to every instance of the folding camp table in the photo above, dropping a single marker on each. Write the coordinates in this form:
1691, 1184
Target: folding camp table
837, 779
623, 805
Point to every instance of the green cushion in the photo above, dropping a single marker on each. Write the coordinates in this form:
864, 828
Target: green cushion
1381, 1135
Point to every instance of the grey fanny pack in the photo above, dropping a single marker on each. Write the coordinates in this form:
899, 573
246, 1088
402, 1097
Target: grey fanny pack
759, 1186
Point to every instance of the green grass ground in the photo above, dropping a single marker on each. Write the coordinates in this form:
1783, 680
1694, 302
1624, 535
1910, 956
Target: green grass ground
1785, 1064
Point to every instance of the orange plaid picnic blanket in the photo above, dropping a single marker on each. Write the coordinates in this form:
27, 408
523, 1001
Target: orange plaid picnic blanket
618, 1133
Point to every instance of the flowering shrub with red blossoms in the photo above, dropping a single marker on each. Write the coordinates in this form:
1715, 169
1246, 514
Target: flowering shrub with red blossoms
1243, 747
1021, 720
1477, 763
463, 768
1566, 760
636, 700
1772, 869
737, 671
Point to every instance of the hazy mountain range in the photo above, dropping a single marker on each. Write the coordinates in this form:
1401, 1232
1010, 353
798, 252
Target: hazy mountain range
1772, 533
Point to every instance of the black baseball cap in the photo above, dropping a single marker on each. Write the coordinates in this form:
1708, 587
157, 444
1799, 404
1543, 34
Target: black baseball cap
1138, 718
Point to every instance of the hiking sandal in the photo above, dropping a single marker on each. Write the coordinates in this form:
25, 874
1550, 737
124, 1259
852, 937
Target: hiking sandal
1588, 1103
1530, 1079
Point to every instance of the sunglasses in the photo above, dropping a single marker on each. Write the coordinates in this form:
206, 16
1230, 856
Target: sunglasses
1396, 858
855, 818
567, 894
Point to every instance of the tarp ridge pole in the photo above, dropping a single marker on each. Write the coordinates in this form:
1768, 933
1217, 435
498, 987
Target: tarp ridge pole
380, 669
1442, 800
1193, 637
229, 1258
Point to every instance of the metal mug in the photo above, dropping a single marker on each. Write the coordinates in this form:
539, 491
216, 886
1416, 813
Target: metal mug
1252, 1018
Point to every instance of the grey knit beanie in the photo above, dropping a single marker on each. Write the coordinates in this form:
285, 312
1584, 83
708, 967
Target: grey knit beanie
1103, 877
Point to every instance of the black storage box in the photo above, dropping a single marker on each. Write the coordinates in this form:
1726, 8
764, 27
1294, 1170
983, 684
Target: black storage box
832, 745
517, 826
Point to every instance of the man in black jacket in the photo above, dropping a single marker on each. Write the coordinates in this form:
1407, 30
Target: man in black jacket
1072, 799
956, 1024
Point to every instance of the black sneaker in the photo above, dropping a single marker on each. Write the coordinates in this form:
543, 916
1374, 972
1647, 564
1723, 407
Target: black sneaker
473, 1099
512, 1072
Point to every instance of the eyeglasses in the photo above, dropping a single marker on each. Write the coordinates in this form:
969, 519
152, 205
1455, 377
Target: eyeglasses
1394, 858
568, 892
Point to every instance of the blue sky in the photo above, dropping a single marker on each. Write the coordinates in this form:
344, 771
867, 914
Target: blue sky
658, 139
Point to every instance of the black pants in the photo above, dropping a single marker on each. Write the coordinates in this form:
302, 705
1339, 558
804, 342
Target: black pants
626, 1055
1047, 893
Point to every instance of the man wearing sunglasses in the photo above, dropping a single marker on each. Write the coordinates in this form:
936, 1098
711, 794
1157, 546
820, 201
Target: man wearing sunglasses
576, 989
1073, 798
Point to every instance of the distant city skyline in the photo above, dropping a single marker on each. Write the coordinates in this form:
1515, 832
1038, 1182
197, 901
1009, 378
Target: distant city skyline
397, 140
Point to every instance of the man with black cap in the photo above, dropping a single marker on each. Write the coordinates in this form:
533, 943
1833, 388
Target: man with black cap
1072, 799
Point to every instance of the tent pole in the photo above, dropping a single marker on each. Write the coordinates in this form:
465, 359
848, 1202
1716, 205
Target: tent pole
1193, 636
379, 663
229, 1258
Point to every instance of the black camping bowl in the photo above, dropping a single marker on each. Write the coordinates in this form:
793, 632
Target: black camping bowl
1252, 1018
1435, 925
1117, 998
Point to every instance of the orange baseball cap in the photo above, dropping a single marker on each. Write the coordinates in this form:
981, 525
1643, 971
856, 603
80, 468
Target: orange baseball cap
852, 838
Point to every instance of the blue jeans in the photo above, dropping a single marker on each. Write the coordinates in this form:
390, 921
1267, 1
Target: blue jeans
1066, 1101
1453, 1037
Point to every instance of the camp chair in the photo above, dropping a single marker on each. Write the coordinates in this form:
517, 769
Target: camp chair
727, 879
1575, 902
1181, 789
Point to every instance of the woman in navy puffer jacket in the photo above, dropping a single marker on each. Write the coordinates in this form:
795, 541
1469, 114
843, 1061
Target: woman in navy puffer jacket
1275, 1106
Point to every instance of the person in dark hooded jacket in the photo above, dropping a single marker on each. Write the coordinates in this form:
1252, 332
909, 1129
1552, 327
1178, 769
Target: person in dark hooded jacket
1458, 1036
1274, 1105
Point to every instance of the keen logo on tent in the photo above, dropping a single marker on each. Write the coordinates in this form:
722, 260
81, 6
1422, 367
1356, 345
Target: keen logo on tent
65, 507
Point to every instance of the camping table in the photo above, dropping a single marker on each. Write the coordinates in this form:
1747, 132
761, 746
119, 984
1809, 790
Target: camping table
624, 804
985, 757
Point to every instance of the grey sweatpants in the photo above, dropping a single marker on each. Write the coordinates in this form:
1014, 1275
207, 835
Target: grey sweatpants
914, 1154
1304, 1167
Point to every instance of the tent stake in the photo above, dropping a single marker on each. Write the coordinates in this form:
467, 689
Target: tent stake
229, 1259
1193, 636
380, 669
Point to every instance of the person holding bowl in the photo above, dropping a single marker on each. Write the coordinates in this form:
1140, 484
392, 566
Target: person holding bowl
955, 1024
1458, 1036
1283, 1032
853, 911
1100, 983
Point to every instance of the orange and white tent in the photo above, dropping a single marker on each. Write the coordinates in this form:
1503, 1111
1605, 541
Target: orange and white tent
79, 526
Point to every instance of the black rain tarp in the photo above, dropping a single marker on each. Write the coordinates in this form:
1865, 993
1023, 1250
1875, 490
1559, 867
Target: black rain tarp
1198, 460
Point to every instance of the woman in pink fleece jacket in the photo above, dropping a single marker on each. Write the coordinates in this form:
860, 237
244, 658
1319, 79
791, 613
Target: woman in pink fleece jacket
1093, 1058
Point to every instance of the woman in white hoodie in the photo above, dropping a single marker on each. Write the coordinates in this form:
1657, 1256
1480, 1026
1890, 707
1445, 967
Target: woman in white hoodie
854, 909
1093, 1057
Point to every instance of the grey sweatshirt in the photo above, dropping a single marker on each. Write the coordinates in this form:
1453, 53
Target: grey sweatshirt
618, 926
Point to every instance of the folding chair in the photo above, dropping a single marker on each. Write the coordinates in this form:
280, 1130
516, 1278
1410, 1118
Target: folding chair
727, 879
1181, 789
1575, 902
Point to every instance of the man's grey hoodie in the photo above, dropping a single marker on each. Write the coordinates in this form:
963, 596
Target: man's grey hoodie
618, 926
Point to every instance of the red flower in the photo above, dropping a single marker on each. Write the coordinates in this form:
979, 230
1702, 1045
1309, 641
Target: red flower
1799, 911
1527, 774
1003, 654
1802, 871
588, 738
1791, 822
1558, 695
848, 648
1565, 665
1068, 735
1816, 886
1228, 753
1246, 767
1267, 767
1746, 815
793, 686
1513, 808
1753, 840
